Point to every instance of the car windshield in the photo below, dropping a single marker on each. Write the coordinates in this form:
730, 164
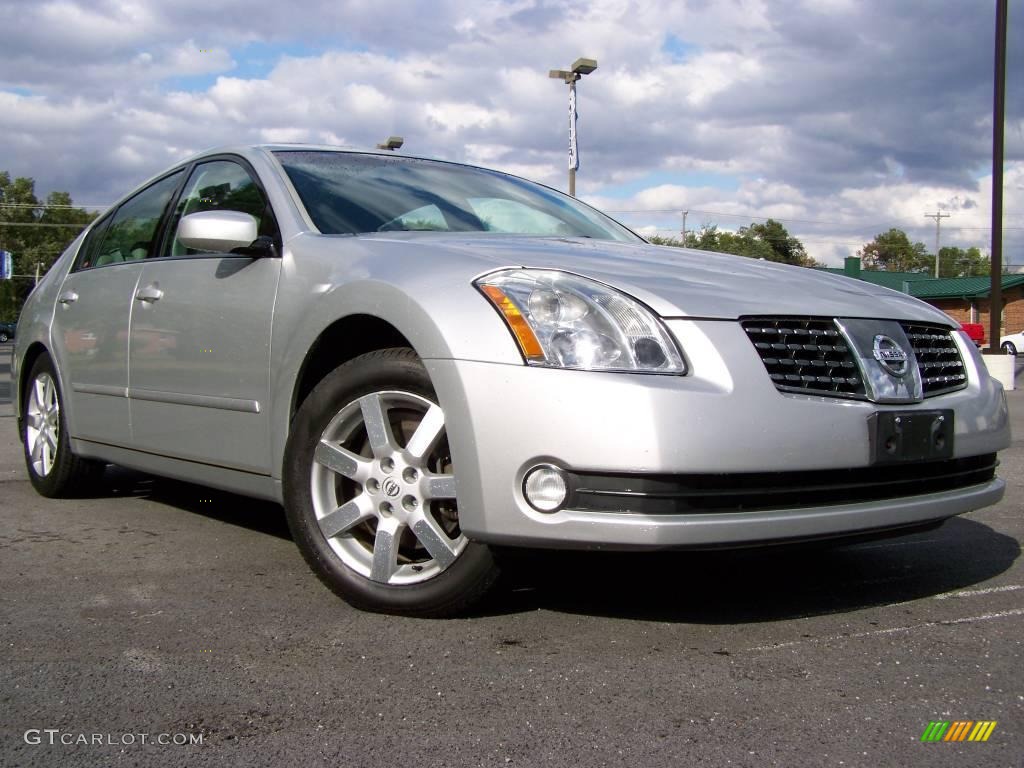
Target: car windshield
350, 193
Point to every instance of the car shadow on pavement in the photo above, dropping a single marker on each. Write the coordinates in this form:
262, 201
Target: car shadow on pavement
254, 514
754, 585
704, 587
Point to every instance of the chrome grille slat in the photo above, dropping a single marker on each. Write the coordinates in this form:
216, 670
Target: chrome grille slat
938, 358
798, 359
805, 354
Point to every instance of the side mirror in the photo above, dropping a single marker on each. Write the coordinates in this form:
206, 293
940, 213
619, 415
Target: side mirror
217, 231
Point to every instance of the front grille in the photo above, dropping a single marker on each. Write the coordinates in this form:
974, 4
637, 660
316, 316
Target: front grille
942, 369
810, 355
805, 354
759, 491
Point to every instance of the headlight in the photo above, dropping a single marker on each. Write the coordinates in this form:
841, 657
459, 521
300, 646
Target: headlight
565, 321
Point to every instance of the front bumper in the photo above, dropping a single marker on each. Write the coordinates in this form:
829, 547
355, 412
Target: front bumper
725, 417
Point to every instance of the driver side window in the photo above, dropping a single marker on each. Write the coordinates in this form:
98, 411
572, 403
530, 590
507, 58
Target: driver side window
221, 185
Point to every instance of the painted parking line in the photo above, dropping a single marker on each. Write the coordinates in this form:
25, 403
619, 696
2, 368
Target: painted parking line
977, 592
891, 630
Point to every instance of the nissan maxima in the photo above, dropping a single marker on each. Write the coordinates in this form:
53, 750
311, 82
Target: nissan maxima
424, 361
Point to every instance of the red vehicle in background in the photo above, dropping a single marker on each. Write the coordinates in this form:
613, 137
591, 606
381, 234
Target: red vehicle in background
976, 331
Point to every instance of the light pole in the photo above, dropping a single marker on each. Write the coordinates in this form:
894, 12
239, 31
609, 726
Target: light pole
393, 143
580, 67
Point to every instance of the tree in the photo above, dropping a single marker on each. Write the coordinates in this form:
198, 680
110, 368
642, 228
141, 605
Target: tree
769, 241
785, 247
961, 262
892, 251
21, 215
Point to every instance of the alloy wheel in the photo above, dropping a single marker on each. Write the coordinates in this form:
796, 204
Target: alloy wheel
383, 488
42, 424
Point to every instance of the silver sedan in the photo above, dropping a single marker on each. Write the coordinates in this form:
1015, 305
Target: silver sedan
424, 360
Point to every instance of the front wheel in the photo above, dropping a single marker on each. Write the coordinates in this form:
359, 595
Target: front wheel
1009, 348
3, 337
370, 491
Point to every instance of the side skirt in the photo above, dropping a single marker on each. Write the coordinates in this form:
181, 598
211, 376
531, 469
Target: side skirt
233, 480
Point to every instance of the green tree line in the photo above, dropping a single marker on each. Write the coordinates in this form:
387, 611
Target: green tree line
890, 251
35, 232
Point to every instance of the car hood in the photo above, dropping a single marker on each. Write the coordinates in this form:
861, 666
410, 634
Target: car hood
680, 282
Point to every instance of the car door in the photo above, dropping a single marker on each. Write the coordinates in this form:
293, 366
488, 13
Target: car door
91, 320
200, 334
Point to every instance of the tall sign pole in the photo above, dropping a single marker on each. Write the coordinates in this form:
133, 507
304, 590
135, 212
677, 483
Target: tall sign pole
570, 77
574, 150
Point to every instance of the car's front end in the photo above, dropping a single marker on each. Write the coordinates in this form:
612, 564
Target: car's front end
750, 427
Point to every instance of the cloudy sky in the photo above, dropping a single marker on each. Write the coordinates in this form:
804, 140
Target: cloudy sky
840, 118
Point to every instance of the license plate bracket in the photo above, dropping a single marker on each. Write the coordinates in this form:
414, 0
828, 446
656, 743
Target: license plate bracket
901, 436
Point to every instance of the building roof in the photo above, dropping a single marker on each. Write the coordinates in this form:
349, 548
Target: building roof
924, 286
960, 287
894, 280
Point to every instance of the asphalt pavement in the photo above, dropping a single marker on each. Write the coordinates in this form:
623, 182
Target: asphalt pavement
160, 611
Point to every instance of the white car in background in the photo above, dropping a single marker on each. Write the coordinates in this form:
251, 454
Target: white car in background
1013, 343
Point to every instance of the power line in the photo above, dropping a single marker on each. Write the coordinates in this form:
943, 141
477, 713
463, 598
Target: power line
39, 224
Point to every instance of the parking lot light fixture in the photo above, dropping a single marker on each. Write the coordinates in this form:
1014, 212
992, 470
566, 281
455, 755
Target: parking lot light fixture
580, 67
392, 143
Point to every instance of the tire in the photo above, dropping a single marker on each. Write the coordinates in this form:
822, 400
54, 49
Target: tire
373, 510
53, 468
1009, 348
3, 337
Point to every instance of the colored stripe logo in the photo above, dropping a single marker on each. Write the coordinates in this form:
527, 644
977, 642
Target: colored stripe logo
958, 730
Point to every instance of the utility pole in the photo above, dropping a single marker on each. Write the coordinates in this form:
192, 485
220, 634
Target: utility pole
938, 216
684, 228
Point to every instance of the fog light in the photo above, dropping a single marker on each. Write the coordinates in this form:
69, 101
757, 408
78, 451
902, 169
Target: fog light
545, 488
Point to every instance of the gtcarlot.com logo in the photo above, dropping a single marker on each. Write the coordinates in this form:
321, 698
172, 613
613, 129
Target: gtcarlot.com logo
958, 730
55, 736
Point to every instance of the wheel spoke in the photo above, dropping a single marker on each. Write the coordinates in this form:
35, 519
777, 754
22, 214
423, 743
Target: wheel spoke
37, 447
50, 438
427, 433
385, 550
439, 487
343, 461
344, 517
378, 429
39, 394
435, 540
33, 420
47, 456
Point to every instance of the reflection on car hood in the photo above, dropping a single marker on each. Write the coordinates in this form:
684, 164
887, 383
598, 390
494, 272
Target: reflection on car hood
678, 282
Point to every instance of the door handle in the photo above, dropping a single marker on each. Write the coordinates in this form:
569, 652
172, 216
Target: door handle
68, 297
149, 294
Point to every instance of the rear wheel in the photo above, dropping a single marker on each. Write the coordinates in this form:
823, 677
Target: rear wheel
370, 491
3, 336
53, 468
1009, 348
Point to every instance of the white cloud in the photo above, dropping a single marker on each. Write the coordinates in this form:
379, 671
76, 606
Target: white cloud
849, 116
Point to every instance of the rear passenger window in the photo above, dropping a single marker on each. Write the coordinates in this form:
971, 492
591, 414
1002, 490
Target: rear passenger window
132, 230
91, 246
221, 185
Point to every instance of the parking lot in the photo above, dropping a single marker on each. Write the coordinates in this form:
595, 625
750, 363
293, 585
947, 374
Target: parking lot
162, 608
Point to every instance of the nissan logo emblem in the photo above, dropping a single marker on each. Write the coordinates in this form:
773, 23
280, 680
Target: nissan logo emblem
390, 487
890, 355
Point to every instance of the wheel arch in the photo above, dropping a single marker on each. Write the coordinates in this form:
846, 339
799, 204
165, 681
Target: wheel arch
343, 340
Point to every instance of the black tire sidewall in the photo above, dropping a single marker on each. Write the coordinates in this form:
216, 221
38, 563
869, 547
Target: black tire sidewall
449, 592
